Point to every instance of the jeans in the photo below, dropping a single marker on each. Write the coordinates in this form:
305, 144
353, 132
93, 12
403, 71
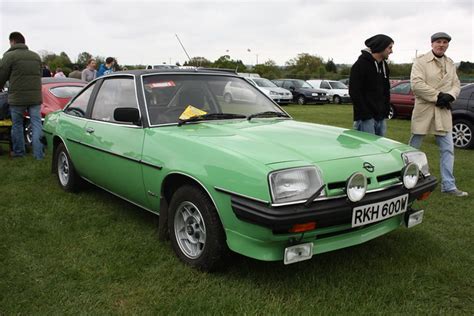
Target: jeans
377, 127
446, 161
18, 130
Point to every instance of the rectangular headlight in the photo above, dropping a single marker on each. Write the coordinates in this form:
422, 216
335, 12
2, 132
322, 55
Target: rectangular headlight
419, 158
296, 184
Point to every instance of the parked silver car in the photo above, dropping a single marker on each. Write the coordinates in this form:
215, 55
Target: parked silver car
279, 95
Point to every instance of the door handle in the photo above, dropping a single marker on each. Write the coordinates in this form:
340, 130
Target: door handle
90, 130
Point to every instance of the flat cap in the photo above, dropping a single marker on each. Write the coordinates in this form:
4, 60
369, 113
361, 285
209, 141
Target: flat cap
437, 36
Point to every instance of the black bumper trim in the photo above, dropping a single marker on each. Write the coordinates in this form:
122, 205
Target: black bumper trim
325, 212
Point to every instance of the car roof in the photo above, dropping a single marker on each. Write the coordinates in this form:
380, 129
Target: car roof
401, 81
140, 72
61, 80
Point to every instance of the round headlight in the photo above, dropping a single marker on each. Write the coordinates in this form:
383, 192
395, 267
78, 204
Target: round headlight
356, 186
410, 175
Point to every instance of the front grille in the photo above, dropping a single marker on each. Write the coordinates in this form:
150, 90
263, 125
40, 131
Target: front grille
342, 184
389, 176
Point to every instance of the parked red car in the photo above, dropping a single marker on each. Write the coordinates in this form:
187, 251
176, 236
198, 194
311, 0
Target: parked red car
56, 94
402, 99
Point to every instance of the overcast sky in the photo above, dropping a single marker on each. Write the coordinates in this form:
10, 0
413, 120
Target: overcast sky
143, 31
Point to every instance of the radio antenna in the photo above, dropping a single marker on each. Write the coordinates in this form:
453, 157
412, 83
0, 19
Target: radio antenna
183, 47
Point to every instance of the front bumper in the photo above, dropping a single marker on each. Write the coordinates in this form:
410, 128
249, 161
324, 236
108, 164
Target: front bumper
283, 100
317, 99
325, 213
346, 99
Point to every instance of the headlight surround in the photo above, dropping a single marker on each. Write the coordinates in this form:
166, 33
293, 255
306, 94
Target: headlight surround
418, 158
297, 184
356, 186
314, 94
410, 174
273, 93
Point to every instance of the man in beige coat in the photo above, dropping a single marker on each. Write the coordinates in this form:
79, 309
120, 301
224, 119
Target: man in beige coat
435, 84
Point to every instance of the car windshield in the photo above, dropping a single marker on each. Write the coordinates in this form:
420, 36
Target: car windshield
302, 84
265, 83
65, 91
175, 97
337, 85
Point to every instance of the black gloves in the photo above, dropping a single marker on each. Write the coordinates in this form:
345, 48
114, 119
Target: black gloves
444, 100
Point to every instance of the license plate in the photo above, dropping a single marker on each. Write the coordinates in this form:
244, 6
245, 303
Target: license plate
375, 212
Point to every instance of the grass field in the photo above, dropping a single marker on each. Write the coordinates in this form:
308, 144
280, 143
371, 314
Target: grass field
92, 253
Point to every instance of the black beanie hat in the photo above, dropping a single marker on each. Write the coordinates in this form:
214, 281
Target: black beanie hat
378, 43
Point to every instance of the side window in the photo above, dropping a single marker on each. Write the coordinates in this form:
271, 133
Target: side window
325, 85
287, 84
114, 93
78, 106
403, 88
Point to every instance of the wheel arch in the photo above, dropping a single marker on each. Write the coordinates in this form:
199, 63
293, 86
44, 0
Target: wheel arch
170, 184
463, 116
56, 141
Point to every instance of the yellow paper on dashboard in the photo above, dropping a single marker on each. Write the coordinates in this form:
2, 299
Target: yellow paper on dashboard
191, 111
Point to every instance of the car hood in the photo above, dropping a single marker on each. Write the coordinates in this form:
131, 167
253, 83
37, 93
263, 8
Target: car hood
312, 90
274, 140
276, 89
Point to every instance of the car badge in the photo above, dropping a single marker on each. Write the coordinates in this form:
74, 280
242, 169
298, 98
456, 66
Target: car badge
368, 166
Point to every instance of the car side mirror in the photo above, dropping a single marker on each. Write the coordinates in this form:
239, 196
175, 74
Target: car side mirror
128, 115
292, 88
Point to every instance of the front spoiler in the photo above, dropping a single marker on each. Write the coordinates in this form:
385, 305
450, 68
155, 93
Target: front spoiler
325, 213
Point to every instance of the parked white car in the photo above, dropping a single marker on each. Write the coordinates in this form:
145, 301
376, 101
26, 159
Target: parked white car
279, 95
337, 91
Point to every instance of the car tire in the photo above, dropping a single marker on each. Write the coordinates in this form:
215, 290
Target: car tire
301, 100
336, 99
391, 113
68, 179
195, 230
227, 98
463, 134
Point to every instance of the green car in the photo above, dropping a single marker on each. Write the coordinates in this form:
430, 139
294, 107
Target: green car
228, 175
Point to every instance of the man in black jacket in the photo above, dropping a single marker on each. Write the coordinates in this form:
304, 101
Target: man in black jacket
370, 86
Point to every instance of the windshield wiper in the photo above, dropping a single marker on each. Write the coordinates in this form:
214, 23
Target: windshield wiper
211, 116
315, 195
267, 114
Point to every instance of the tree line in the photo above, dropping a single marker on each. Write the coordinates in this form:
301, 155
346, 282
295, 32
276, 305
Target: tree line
303, 66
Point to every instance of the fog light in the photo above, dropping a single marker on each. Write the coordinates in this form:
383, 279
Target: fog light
298, 253
414, 218
356, 186
410, 175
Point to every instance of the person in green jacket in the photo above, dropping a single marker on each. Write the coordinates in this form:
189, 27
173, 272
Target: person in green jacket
22, 68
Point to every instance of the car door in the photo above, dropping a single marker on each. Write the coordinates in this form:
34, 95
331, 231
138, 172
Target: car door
115, 148
325, 87
287, 84
72, 124
402, 99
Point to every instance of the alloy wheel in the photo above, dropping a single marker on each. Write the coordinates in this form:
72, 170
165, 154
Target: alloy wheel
462, 135
190, 230
63, 168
